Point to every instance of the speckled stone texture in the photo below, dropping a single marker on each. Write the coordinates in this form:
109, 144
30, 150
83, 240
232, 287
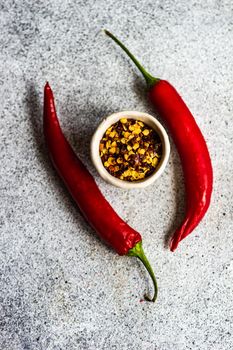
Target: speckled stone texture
61, 287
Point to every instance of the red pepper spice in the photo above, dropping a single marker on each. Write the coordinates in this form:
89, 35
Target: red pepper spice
82, 186
190, 144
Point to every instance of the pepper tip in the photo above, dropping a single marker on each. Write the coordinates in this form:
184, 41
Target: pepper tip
152, 300
173, 245
105, 31
47, 87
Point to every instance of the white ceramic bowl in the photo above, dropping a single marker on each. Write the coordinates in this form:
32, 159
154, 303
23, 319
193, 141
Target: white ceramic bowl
105, 124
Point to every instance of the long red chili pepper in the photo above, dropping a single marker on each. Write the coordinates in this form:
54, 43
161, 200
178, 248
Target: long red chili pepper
190, 144
82, 186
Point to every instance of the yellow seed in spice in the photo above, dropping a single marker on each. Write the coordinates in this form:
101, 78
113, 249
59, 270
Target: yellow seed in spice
114, 143
131, 152
151, 153
155, 162
137, 131
136, 146
123, 120
146, 132
136, 125
108, 130
138, 176
126, 156
131, 127
149, 160
146, 144
133, 173
123, 140
119, 160
111, 161
129, 148
127, 172
140, 123
112, 134
126, 134
117, 150
108, 144
141, 151
106, 164
116, 168
112, 150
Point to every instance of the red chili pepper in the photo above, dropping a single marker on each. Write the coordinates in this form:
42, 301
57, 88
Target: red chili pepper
82, 186
190, 144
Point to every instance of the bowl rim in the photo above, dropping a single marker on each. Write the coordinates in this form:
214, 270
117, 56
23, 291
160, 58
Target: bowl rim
105, 124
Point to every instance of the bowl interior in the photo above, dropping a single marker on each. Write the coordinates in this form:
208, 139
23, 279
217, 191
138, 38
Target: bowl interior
151, 122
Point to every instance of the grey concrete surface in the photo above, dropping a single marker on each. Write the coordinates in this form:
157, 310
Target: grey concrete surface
61, 287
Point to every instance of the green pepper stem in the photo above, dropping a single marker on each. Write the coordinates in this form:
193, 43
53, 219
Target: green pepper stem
150, 80
138, 252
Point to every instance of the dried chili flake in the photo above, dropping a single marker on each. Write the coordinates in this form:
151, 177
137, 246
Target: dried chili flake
130, 150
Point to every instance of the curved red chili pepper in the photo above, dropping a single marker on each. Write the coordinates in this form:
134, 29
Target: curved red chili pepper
82, 186
190, 144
